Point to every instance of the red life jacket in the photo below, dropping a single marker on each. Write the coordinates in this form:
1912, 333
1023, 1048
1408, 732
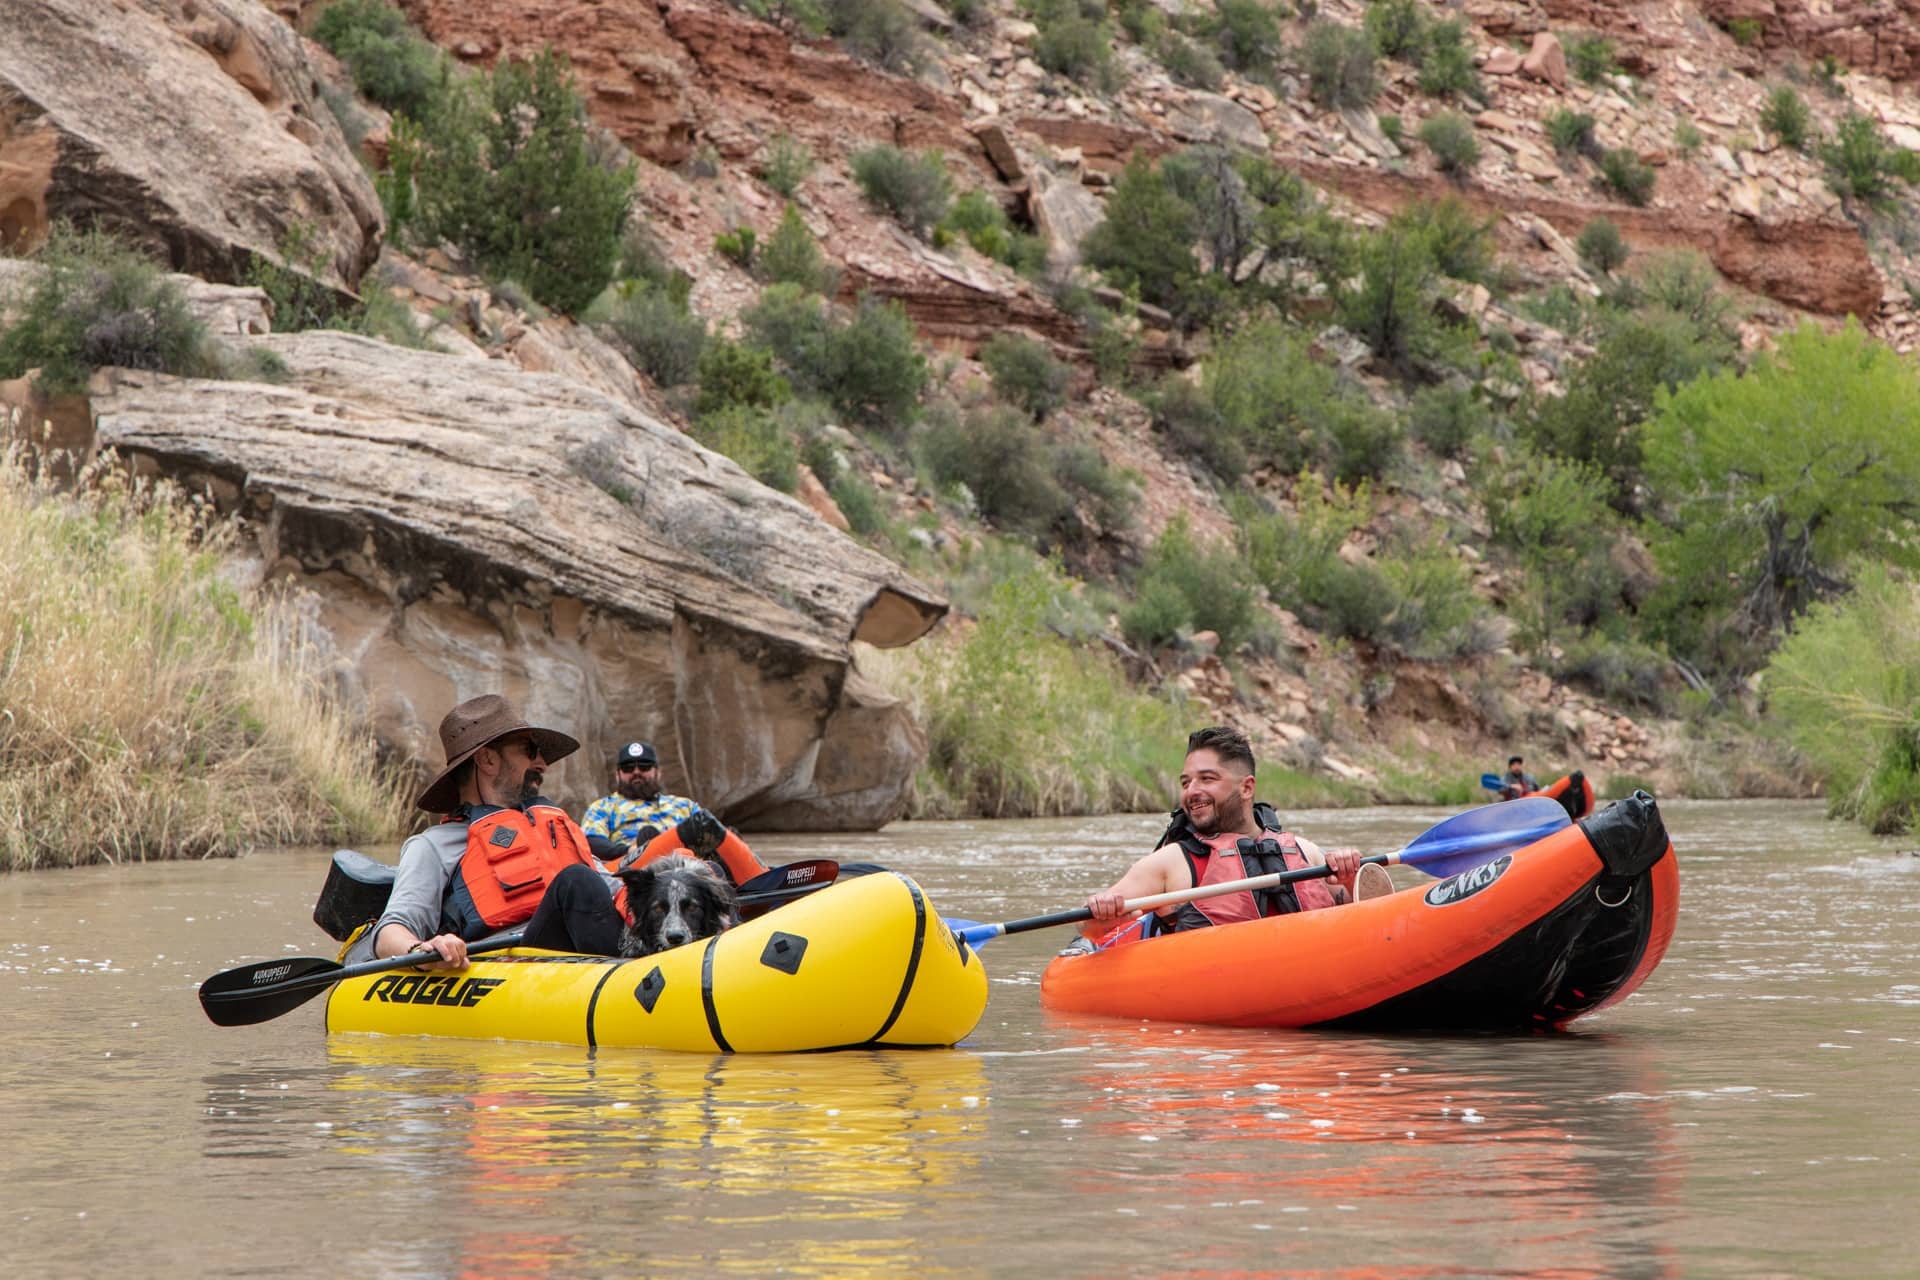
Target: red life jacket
512, 856
1224, 861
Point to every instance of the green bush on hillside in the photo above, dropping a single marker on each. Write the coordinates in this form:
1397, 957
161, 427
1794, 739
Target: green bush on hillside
391, 63
1338, 61
1246, 33
1457, 241
757, 438
1447, 418
1610, 394
1397, 28
1389, 305
1212, 580
1571, 133
1861, 162
664, 337
1145, 242
1074, 40
1025, 374
882, 32
1001, 458
1449, 136
738, 374
98, 303
786, 164
1629, 178
791, 256
505, 169
1446, 64
911, 189
1786, 117
865, 363
981, 219
1601, 247
1552, 514
1190, 64
1591, 57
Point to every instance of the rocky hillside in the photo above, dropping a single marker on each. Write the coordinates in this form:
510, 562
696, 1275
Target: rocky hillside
210, 129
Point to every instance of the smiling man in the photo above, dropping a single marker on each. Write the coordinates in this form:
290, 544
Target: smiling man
1221, 833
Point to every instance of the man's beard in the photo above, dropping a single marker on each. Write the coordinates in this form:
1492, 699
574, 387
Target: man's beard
1226, 815
529, 789
639, 788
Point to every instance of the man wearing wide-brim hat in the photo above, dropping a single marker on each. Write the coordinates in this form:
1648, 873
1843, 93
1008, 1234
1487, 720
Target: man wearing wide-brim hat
487, 866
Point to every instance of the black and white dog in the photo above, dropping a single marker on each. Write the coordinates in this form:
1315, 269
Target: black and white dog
673, 901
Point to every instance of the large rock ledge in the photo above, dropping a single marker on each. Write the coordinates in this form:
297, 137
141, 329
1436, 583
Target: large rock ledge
194, 127
458, 523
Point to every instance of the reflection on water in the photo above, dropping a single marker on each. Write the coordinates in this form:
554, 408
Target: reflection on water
707, 1151
1751, 1112
1277, 1131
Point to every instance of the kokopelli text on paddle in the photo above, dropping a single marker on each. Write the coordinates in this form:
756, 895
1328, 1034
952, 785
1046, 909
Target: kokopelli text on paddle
264, 976
421, 988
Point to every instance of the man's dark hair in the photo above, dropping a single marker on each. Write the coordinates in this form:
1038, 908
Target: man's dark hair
1514, 760
1228, 744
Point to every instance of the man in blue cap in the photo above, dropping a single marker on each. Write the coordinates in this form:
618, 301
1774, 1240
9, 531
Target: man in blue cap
623, 822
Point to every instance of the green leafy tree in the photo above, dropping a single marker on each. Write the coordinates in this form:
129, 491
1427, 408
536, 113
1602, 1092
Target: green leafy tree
791, 256
1552, 514
1610, 395
1770, 484
1146, 240
1390, 306
505, 169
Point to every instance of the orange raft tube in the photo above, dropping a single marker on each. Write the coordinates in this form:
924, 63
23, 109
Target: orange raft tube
1534, 939
1574, 792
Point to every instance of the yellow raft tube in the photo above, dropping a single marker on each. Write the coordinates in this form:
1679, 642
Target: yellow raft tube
864, 963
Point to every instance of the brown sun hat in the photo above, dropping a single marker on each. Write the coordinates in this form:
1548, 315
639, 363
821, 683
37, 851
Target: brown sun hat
472, 725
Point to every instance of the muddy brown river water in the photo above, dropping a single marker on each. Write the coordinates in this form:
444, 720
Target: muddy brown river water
1753, 1111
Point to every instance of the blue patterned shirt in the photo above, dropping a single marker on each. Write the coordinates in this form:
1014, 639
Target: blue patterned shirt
619, 819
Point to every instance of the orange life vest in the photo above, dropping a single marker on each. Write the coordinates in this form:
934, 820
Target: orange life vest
512, 856
1224, 862
742, 863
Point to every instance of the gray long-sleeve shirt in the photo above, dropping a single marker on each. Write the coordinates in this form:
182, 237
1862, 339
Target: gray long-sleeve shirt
427, 863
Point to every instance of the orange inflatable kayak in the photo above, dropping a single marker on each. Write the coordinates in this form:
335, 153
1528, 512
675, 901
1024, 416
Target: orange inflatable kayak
1572, 791
1538, 937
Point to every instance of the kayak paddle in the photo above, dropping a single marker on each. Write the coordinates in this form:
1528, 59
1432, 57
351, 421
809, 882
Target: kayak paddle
779, 885
264, 990
1460, 843
1491, 781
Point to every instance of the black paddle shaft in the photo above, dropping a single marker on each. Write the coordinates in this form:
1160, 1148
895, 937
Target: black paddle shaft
262, 991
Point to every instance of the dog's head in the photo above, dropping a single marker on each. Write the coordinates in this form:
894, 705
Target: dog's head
674, 901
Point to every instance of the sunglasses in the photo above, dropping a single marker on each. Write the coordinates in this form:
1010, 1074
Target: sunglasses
636, 768
528, 747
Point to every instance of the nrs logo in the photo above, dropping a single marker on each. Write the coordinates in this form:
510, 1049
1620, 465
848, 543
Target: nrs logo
1456, 888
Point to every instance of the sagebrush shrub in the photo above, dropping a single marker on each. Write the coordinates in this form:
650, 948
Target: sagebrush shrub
912, 189
98, 303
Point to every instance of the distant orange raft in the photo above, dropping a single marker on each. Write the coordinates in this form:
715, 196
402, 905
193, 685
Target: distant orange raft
1573, 791
1531, 941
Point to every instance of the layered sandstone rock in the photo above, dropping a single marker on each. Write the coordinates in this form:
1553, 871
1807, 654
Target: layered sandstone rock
190, 126
1877, 36
469, 526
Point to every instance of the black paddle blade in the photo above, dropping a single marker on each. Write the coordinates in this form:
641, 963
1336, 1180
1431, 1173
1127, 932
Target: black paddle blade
259, 992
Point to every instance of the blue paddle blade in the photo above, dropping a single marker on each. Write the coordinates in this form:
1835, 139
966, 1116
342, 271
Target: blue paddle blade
1480, 835
1490, 781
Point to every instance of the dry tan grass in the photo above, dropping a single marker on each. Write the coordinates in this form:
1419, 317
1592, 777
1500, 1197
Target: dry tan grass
148, 708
